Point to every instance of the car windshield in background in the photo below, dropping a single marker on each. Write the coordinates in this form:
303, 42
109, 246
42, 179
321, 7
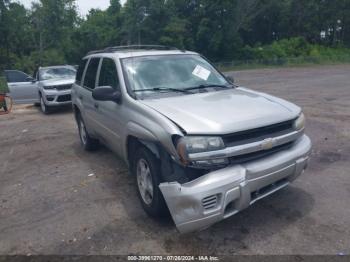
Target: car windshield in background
56, 73
170, 73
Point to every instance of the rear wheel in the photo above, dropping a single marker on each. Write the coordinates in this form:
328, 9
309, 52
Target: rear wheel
88, 143
147, 171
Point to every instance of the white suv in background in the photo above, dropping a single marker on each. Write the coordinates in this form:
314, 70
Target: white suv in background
51, 86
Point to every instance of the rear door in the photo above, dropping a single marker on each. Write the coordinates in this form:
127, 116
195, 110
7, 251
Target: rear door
85, 95
23, 88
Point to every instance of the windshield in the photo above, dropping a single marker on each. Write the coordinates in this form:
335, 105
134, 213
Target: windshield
57, 72
181, 72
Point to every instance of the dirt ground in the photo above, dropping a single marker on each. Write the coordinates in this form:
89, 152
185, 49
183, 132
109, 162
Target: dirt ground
57, 199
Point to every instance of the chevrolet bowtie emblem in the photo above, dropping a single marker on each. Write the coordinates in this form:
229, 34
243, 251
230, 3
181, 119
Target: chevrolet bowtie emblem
267, 144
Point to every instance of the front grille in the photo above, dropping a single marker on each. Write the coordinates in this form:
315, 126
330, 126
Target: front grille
259, 154
210, 202
258, 134
64, 98
63, 87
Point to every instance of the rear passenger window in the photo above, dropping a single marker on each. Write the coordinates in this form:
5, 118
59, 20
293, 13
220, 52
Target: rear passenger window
80, 72
108, 74
90, 75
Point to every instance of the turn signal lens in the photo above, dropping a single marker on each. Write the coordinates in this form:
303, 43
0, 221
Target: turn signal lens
300, 122
181, 150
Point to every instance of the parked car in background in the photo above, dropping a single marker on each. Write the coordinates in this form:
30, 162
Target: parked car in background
50, 86
196, 143
23, 88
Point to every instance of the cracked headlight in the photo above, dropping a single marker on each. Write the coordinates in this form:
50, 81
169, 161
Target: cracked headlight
300, 122
197, 144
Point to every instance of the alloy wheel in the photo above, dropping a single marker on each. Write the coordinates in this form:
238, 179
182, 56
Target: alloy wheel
42, 105
144, 181
83, 134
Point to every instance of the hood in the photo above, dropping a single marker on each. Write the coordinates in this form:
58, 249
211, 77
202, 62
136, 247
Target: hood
224, 112
56, 82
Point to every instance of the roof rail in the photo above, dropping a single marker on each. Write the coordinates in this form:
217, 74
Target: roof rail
132, 47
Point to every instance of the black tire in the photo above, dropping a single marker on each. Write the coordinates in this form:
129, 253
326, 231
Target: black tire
44, 108
87, 142
157, 207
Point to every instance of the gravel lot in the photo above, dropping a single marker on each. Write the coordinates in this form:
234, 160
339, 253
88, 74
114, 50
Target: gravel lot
50, 205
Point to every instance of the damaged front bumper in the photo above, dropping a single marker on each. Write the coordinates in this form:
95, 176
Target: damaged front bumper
223, 193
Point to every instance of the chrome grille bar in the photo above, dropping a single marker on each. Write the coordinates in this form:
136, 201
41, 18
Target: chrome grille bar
265, 144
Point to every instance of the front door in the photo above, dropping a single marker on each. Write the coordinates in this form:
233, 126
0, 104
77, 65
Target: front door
109, 114
23, 88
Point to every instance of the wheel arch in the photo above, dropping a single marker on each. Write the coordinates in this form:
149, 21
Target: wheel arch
132, 142
76, 111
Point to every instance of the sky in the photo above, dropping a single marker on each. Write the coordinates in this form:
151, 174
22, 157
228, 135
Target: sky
83, 5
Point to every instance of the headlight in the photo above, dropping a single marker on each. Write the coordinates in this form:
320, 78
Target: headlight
202, 144
300, 122
49, 87
189, 145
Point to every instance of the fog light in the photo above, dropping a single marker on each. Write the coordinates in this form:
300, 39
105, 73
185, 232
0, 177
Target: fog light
212, 162
219, 161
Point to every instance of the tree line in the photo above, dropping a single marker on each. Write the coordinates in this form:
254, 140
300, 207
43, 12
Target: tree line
52, 32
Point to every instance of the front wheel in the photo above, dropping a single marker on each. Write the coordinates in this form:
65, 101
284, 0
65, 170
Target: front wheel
147, 171
44, 108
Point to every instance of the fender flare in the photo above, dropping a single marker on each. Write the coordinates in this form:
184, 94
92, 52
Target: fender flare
143, 135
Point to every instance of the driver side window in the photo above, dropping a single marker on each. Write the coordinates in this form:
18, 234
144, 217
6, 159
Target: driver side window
14, 76
108, 74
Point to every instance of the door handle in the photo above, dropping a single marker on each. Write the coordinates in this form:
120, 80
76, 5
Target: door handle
96, 105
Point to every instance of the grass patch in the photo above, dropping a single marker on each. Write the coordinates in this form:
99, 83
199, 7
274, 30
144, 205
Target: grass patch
291, 52
281, 62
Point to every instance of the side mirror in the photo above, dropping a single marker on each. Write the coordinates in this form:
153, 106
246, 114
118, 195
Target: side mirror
230, 79
30, 79
107, 93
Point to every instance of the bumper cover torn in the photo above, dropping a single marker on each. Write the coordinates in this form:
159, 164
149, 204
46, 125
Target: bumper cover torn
223, 193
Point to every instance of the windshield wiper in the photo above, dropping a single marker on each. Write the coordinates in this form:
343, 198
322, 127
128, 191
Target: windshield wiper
156, 89
207, 86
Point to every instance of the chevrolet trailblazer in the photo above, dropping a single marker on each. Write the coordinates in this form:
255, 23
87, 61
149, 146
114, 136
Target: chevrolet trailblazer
196, 143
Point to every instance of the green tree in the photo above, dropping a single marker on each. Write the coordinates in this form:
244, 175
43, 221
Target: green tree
14, 32
51, 31
53, 22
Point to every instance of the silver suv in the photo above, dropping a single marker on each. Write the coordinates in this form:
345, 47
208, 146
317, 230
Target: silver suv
198, 145
54, 86
50, 86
